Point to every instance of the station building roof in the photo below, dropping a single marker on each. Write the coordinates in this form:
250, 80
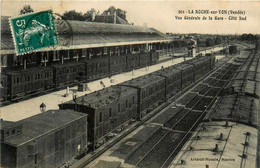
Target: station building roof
39, 125
200, 150
82, 34
103, 97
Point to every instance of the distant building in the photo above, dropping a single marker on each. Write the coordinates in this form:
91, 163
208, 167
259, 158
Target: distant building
45, 140
113, 18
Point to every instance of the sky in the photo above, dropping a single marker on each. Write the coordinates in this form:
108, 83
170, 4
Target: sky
161, 14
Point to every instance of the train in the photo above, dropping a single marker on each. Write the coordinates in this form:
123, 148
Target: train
111, 109
19, 83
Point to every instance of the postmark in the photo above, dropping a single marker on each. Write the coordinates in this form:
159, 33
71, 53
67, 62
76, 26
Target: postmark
33, 32
64, 30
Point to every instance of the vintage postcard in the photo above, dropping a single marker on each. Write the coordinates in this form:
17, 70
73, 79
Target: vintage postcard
120, 84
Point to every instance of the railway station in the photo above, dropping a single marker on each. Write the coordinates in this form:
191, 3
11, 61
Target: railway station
109, 93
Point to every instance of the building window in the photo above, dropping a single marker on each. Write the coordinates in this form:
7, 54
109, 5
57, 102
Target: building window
133, 100
110, 112
115, 50
118, 108
2, 135
65, 54
100, 117
90, 53
105, 51
84, 52
42, 57
98, 52
79, 147
75, 53
19, 130
35, 159
4, 60
111, 51
56, 55
122, 49
13, 132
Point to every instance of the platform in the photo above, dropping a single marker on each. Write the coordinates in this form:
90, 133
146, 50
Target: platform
236, 148
24, 109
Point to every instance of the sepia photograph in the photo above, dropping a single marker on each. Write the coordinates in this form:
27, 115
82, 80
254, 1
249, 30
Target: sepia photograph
130, 84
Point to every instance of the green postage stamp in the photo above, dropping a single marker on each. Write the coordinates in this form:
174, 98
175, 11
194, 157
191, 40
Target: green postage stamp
33, 31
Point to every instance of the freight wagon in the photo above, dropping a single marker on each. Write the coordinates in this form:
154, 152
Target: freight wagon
108, 110
151, 92
22, 82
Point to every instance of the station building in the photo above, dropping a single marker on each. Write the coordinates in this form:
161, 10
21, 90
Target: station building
47, 139
101, 47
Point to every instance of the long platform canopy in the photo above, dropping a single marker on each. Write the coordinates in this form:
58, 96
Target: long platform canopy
81, 34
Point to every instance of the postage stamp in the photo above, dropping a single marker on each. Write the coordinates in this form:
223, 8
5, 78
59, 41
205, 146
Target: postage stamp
33, 31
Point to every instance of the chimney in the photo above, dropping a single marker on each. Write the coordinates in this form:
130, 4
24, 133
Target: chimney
220, 137
216, 148
115, 17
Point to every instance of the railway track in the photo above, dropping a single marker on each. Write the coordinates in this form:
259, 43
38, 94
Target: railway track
163, 146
